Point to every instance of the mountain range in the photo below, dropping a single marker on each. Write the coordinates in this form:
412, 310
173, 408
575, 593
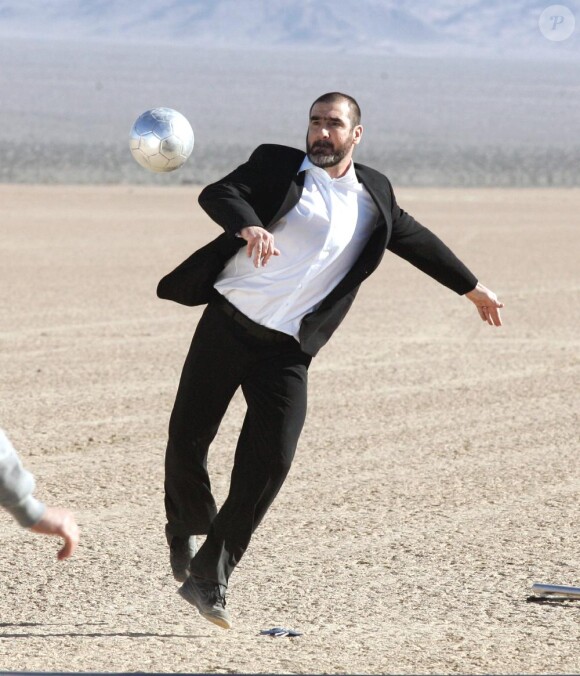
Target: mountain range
394, 26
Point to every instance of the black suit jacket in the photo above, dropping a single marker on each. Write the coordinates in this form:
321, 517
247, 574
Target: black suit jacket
268, 186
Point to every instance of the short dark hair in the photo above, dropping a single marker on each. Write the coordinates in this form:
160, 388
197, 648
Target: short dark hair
333, 97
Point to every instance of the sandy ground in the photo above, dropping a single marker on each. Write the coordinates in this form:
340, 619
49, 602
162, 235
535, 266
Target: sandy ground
435, 481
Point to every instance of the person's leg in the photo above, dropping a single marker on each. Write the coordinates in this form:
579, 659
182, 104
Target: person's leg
210, 377
275, 390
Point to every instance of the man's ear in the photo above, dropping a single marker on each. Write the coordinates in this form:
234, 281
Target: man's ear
357, 134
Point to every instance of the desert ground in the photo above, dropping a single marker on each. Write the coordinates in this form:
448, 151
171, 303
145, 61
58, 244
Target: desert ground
435, 481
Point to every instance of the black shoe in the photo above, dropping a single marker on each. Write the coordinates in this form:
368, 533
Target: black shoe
209, 598
181, 551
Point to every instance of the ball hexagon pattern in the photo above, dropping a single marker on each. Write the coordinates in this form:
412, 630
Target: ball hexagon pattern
161, 139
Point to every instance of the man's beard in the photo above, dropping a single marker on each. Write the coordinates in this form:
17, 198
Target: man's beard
318, 153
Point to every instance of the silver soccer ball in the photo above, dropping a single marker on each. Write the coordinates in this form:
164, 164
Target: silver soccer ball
161, 139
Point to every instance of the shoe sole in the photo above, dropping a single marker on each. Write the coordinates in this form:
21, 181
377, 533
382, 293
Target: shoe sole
214, 619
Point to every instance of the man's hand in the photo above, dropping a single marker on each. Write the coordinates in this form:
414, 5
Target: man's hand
60, 522
260, 244
486, 303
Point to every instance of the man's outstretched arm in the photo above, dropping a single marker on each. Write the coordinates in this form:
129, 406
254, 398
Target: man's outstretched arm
418, 245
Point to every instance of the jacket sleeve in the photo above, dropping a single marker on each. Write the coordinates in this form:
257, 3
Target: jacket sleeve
423, 249
229, 201
17, 486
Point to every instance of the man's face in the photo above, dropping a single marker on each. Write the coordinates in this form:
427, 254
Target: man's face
331, 138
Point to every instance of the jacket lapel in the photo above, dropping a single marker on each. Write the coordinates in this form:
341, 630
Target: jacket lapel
377, 192
291, 199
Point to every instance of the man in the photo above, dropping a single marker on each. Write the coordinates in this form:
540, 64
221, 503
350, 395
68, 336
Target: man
314, 226
16, 488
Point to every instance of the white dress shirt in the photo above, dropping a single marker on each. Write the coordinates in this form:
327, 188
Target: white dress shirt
319, 241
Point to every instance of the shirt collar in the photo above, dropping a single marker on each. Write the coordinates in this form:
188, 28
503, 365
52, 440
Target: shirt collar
349, 179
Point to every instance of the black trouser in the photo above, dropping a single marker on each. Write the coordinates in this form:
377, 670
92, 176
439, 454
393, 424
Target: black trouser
272, 372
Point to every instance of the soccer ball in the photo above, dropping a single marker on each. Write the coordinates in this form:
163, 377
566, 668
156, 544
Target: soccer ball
161, 139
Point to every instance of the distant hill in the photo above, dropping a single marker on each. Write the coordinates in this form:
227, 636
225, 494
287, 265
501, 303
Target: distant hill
393, 26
